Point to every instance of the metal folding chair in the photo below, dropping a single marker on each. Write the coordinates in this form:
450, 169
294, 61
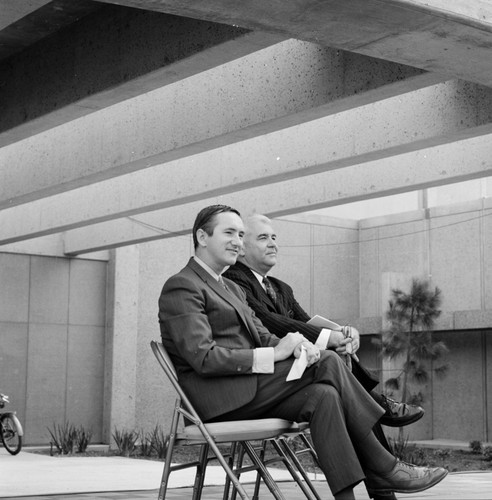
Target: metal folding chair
241, 433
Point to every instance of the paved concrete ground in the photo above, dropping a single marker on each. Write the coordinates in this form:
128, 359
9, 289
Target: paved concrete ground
33, 476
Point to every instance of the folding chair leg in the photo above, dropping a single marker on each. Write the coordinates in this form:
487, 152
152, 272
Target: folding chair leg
298, 465
225, 466
256, 493
310, 493
239, 466
169, 455
309, 447
200, 472
227, 485
267, 478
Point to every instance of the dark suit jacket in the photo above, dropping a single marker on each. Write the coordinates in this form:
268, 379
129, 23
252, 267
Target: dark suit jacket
280, 318
286, 315
210, 334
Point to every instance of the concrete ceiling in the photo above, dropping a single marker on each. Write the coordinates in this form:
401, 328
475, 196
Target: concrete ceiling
121, 118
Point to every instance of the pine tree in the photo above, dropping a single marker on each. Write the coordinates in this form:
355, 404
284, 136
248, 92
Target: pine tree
411, 319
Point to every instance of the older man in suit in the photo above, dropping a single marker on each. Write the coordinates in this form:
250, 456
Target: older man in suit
274, 304
232, 367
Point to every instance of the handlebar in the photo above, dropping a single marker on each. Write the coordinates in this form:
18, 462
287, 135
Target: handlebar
3, 399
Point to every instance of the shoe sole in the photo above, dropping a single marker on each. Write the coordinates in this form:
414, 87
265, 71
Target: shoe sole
400, 421
383, 491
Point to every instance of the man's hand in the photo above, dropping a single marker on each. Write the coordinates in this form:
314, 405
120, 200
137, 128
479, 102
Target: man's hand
287, 345
311, 350
339, 342
336, 340
354, 334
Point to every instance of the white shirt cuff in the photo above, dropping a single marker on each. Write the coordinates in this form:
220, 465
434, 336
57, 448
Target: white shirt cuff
263, 360
323, 339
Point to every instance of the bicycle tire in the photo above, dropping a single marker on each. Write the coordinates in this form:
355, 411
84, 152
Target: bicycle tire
10, 435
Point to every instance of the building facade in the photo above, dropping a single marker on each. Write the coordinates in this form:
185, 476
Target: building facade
76, 332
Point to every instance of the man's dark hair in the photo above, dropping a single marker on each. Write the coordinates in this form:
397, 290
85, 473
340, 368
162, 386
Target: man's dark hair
206, 219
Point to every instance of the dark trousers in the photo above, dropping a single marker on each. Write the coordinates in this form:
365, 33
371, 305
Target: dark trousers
368, 381
340, 411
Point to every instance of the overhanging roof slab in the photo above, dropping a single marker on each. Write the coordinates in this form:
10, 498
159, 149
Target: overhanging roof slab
109, 56
453, 38
274, 88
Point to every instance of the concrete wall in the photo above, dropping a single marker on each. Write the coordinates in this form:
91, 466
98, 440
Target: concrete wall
334, 274
319, 258
158, 261
52, 324
450, 245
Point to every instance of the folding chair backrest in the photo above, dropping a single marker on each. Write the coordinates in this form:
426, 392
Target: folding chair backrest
164, 359
167, 365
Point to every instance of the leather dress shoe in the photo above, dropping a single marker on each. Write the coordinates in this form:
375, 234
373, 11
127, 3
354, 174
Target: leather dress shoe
399, 414
404, 478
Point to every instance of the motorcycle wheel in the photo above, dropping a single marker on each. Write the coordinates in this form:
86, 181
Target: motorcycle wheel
10, 437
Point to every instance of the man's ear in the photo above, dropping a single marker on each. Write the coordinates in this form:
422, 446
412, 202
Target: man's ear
201, 237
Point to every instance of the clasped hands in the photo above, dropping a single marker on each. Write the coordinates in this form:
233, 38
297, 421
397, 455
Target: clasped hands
346, 341
291, 345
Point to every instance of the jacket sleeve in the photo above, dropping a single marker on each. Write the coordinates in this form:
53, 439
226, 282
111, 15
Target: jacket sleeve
278, 324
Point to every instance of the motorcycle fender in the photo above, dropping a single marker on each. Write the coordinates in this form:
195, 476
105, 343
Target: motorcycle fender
12, 414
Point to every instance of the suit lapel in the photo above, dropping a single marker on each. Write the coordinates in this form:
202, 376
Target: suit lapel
228, 296
260, 291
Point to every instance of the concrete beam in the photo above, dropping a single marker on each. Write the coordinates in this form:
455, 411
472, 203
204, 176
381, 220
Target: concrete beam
277, 87
13, 10
107, 57
23, 23
432, 116
467, 160
51, 246
454, 39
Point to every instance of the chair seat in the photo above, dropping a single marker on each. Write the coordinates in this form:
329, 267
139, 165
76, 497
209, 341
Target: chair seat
239, 430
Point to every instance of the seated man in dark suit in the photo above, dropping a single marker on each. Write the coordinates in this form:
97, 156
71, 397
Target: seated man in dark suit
233, 368
279, 311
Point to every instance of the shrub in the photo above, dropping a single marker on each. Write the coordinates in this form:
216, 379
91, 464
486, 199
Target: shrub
63, 438
407, 452
487, 453
159, 441
442, 455
476, 447
83, 439
145, 444
126, 441
400, 447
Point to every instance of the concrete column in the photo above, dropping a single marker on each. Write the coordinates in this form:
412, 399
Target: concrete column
121, 342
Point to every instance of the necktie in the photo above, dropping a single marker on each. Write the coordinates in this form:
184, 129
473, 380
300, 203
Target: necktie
221, 281
269, 289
